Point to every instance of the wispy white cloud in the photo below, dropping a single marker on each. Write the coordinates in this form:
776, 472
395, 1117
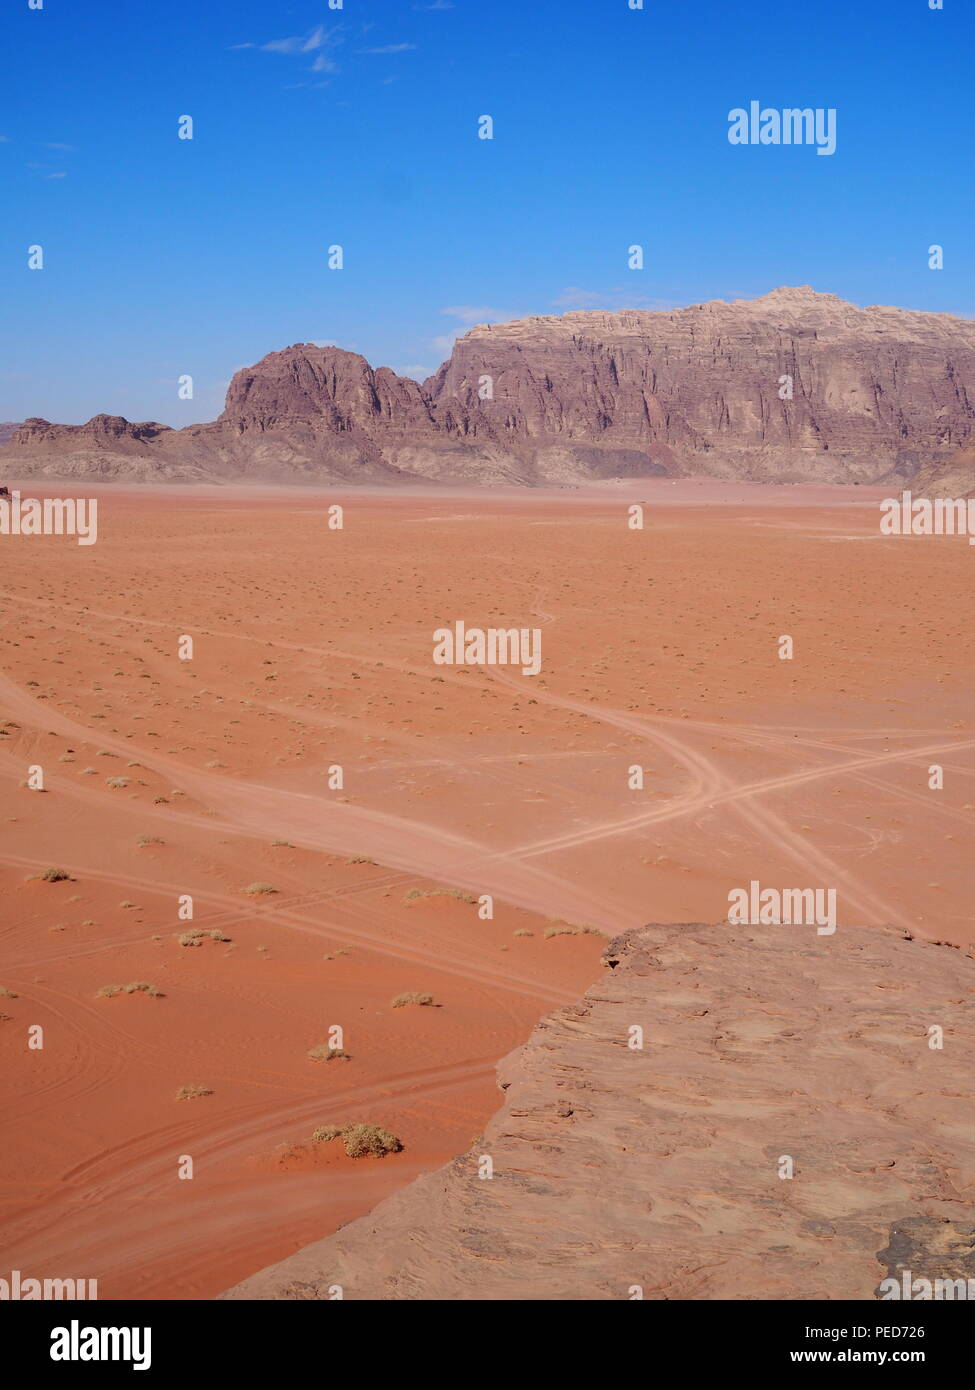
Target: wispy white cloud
299, 45
418, 373
614, 299
389, 48
474, 313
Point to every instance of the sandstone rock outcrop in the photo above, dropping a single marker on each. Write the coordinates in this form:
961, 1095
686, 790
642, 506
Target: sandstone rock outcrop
660, 1169
950, 477
792, 387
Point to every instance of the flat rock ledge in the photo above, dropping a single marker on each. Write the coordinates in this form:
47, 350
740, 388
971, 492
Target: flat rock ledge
620, 1171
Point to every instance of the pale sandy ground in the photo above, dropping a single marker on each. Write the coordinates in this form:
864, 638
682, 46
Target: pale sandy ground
313, 647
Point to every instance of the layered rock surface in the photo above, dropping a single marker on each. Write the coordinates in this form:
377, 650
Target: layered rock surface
792, 387
618, 1170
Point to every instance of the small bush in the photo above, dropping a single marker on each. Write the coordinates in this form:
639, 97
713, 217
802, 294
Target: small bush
522, 931
411, 998
323, 1053
134, 987
56, 876
360, 1140
6, 993
117, 781
260, 888
193, 1092
441, 893
326, 1134
197, 936
572, 931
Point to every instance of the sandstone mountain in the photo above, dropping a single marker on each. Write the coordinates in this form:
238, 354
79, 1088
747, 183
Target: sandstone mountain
666, 1169
8, 429
793, 387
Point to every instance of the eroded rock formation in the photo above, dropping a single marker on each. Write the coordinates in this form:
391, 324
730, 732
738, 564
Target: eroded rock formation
792, 387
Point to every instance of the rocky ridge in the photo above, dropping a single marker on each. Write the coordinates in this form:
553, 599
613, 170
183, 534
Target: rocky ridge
795, 386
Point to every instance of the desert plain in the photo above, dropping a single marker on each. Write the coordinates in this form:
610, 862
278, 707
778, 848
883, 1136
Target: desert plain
319, 904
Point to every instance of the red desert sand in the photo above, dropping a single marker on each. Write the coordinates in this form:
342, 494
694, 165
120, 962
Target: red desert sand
312, 648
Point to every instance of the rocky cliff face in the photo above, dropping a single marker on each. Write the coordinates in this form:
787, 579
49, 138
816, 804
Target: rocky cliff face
795, 386
663, 1172
8, 429
874, 392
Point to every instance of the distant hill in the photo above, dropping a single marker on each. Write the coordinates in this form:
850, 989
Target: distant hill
795, 386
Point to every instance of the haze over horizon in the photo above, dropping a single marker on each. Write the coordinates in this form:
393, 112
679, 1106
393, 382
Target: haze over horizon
358, 127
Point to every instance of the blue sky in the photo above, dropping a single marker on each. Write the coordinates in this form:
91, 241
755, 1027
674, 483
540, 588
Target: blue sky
358, 127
